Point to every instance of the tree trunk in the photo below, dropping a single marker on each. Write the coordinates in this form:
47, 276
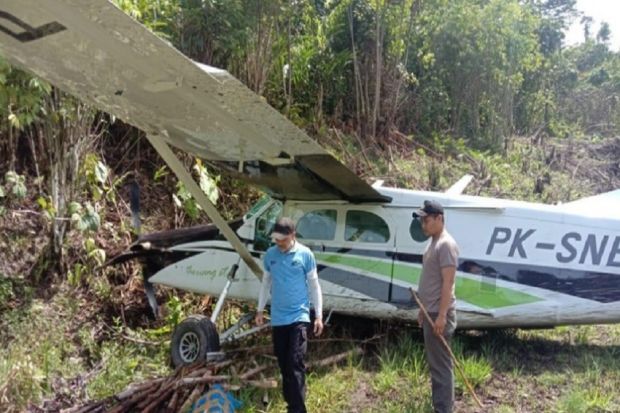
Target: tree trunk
356, 75
289, 72
378, 68
12, 147
391, 115
68, 137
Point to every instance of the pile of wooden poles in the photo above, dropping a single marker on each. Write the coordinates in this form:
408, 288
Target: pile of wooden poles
179, 391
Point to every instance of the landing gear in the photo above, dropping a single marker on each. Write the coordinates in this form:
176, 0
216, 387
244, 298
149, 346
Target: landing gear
196, 339
193, 339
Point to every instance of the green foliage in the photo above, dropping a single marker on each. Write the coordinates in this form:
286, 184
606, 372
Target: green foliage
161, 173
481, 70
402, 365
16, 183
21, 96
94, 252
125, 363
477, 369
585, 401
97, 176
184, 200
176, 311
6, 291
473, 57
47, 206
75, 275
85, 218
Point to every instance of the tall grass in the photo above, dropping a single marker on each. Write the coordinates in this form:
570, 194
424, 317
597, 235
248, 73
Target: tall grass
35, 350
41, 354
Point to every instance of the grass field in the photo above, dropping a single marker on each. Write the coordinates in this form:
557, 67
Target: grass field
567, 369
52, 354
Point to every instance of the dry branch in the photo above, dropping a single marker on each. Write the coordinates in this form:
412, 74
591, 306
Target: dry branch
335, 358
253, 371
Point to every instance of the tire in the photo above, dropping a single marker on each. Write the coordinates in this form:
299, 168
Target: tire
192, 339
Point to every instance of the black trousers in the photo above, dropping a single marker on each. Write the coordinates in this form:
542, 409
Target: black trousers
290, 343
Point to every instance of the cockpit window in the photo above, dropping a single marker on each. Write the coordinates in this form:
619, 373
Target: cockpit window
264, 200
363, 226
319, 224
264, 225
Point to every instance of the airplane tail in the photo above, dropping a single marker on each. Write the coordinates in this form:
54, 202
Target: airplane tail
605, 204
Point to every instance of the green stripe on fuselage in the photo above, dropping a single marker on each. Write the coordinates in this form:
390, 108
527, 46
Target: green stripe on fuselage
481, 293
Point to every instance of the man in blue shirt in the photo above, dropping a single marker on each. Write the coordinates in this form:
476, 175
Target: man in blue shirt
291, 277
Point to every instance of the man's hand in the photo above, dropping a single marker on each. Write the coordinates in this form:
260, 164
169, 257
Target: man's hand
318, 327
258, 318
440, 324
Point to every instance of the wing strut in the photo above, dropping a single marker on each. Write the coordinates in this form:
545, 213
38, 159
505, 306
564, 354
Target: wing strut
184, 176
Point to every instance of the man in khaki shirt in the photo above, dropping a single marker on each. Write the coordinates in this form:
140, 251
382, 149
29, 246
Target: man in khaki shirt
436, 292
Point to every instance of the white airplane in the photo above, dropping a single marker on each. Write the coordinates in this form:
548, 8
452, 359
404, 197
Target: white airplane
522, 264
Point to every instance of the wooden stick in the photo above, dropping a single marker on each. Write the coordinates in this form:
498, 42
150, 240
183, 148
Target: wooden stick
270, 383
135, 398
172, 404
254, 371
335, 358
159, 399
137, 389
346, 340
200, 380
447, 347
84, 409
194, 395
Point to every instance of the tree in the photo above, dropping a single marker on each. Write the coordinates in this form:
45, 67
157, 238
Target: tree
604, 33
474, 57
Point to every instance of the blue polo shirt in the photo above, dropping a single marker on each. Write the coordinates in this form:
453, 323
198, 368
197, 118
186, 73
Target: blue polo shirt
290, 300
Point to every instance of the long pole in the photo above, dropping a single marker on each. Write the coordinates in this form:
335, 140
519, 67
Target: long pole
447, 347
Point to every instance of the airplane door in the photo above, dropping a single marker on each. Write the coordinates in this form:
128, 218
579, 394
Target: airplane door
368, 250
410, 245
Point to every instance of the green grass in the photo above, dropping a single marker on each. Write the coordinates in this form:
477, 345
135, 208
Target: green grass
45, 345
34, 351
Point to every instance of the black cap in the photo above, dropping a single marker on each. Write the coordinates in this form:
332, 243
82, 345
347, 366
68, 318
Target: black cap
283, 228
429, 208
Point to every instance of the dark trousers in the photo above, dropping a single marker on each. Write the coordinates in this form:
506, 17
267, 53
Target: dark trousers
440, 363
290, 343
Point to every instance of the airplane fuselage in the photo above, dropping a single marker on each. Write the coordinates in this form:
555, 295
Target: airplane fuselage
521, 264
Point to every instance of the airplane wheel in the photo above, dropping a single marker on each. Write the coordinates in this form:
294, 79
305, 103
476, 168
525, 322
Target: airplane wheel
192, 339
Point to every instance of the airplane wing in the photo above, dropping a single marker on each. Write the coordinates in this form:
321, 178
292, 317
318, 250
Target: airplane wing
93, 50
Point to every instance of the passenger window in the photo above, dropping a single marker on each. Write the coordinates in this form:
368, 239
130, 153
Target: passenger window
362, 226
319, 224
415, 230
264, 225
